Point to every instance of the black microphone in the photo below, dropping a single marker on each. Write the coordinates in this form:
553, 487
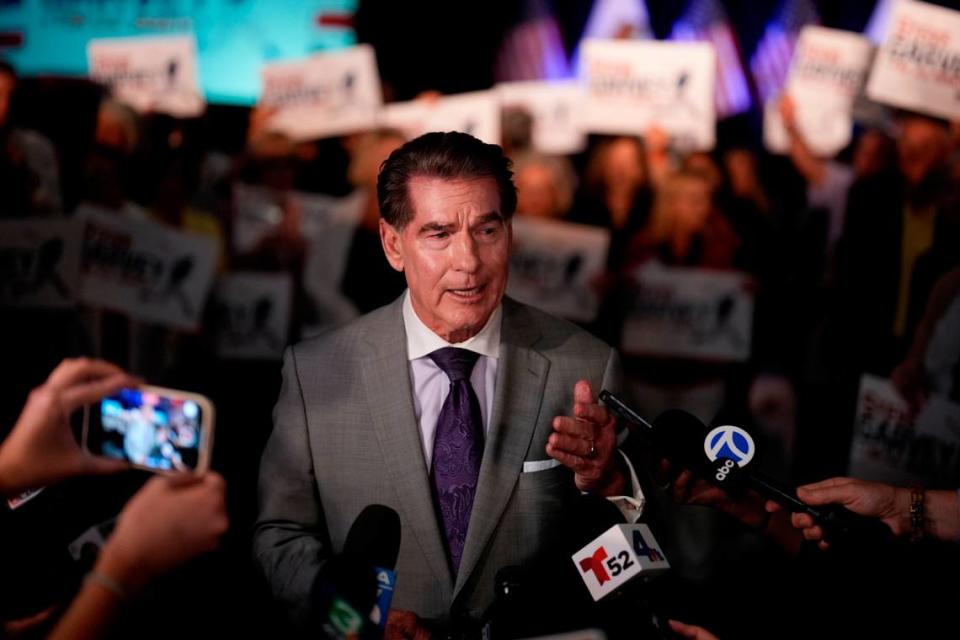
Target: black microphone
722, 456
348, 592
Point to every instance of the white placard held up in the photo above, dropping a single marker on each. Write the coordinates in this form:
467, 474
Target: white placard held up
253, 315
555, 108
476, 113
150, 271
554, 266
918, 65
324, 95
892, 444
690, 313
828, 70
633, 85
39, 263
150, 73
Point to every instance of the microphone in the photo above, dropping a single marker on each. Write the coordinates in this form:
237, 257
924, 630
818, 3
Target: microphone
722, 457
606, 563
352, 592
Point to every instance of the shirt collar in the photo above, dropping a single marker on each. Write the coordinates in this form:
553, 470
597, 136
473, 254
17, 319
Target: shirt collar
422, 341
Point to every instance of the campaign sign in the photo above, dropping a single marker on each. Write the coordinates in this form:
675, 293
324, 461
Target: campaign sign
690, 313
893, 444
148, 270
150, 73
620, 553
253, 315
555, 108
476, 113
828, 71
555, 266
634, 85
39, 263
327, 94
918, 65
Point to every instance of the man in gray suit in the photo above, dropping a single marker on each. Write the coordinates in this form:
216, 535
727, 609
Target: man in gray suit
471, 444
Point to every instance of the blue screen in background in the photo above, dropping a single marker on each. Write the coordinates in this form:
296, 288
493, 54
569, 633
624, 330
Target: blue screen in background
234, 37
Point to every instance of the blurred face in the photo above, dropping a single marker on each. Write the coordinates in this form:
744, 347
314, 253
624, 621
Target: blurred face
922, 147
690, 203
454, 253
623, 165
868, 156
705, 164
536, 195
6, 93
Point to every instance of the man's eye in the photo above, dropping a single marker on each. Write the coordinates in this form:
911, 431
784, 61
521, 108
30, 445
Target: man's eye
489, 230
440, 235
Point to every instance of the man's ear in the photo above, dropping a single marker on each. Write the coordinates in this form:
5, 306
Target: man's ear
390, 239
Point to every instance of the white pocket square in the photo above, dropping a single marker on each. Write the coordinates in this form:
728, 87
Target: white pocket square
540, 465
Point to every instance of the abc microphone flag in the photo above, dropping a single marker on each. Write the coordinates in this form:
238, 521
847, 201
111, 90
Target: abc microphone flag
617, 556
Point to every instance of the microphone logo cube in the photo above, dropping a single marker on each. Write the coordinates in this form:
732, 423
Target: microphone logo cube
620, 553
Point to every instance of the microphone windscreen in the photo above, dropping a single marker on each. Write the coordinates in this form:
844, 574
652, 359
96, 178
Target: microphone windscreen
374, 537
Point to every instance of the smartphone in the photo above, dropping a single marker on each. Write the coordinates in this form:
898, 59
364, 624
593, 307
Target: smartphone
153, 428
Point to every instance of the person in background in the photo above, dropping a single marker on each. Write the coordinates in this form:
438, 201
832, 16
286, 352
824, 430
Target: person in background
545, 185
29, 168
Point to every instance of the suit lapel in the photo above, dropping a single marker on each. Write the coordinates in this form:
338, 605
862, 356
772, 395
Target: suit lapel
386, 376
521, 377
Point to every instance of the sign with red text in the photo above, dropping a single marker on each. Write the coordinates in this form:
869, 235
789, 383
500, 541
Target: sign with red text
39, 263
555, 108
632, 86
148, 270
476, 113
556, 266
902, 445
828, 71
690, 313
327, 94
918, 65
150, 73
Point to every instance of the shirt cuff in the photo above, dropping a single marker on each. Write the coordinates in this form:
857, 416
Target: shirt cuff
630, 506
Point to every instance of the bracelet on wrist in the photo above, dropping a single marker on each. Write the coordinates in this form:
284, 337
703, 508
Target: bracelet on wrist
109, 584
917, 516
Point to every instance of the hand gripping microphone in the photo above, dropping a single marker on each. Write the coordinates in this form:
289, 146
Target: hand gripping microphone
722, 457
352, 592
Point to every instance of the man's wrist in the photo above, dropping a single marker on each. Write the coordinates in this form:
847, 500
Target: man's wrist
124, 571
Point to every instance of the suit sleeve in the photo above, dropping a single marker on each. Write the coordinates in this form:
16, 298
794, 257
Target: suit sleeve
289, 534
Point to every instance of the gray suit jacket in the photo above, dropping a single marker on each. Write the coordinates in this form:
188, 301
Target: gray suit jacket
345, 436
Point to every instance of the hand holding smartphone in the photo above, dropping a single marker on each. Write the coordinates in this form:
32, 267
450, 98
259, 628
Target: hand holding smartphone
153, 428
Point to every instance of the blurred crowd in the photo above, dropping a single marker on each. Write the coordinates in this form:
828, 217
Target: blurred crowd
855, 260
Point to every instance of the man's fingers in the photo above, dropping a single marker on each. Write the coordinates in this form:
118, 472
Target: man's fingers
583, 393
571, 444
74, 370
574, 427
569, 460
827, 492
76, 396
595, 413
801, 520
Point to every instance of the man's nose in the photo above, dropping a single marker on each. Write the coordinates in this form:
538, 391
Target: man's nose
465, 253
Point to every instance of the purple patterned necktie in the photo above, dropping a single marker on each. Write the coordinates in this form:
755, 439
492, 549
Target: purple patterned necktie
457, 448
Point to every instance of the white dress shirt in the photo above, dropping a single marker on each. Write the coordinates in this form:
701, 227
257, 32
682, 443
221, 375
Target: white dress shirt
431, 386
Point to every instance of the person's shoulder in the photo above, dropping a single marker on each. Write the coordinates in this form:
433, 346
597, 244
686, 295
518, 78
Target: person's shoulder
555, 334
353, 335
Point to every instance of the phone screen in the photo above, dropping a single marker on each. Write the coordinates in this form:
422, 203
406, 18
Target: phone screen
147, 429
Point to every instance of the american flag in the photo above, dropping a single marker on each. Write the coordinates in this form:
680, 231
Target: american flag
706, 21
771, 61
533, 48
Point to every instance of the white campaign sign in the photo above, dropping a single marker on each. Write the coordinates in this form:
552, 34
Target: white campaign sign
324, 95
828, 70
633, 85
150, 73
555, 107
892, 444
476, 113
39, 263
555, 265
253, 315
145, 269
690, 313
918, 65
